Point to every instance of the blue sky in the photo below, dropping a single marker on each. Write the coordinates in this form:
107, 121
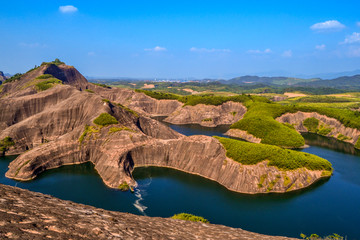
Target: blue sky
179, 39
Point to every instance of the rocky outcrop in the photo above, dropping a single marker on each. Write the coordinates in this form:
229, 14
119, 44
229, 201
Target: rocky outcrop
237, 133
297, 119
2, 77
22, 217
208, 115
139, 102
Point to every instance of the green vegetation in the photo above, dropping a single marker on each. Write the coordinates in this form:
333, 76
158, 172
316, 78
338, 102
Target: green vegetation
357, 144
45, 76
44, 85
102, 85
105, 119
324, 130
159, 95
233, 113
14, 78
260, 122
89, 90
5, 144
314, 236
88, 131
124, 186
343, 137
189, 217
127, 109
118, 129
311, 124
207, 120
56, 62
252, 153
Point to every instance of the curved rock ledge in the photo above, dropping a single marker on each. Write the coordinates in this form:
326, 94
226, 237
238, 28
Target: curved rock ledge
115, 156
208, 115
296, 119
237, 133
22, 217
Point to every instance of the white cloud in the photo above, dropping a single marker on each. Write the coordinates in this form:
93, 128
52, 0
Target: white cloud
68, 9
320, 47
327, 25
287, 54
257, 51
353, 38
207, 50
156, 49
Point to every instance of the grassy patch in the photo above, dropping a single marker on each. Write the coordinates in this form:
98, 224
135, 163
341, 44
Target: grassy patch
56, 62
260, 122
343, 137
207, 120
105, 119
311, 124
357, 144
189, 217
45, 76
124, 186
89, 90
262, 179
101, 85
252, 153
13, 78
5, 144
324, 130
127, 109
88, 131
44, 85
118, 129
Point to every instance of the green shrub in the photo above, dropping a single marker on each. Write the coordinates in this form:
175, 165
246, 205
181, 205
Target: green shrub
105, 119
207, 120
5, 144
252, 153
88, 131
311, 124
124, 186
101, 85
44, 85
56, 62
343, 137
158, 95
89, 90
118, 129
357, 144
45, 76
13, 78
324, 130
189, 217
259, 121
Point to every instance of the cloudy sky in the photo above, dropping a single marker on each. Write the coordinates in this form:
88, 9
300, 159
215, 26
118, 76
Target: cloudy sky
172, 39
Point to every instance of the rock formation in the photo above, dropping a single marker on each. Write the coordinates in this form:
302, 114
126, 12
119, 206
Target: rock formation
22, 217
297, 119
55, 127
237, 133
2, 77
208, 115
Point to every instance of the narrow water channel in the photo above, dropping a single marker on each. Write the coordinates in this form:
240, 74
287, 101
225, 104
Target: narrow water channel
327, 207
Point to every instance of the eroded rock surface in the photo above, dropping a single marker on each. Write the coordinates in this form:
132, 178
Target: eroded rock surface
208, 115
22, 217
243, 135
297, 119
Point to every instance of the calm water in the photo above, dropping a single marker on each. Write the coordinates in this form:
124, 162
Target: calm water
328, 207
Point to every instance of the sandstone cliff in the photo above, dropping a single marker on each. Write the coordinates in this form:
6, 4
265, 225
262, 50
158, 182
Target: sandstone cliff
22, 217
208, 115
237, 133
55, 127
297, 119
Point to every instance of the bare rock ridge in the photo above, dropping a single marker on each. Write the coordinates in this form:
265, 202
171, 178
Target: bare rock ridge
2, 77
208, 115
59, 219
335, 127
55, 127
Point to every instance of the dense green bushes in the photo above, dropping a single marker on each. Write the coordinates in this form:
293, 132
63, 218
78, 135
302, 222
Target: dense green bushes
189, 217
44, 85
259, 121
56, 62
159, 95
5, 144
15, 77
311, 124
45, 76
252, 153
105, 119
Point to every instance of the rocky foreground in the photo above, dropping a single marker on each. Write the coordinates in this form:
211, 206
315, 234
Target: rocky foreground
29, 215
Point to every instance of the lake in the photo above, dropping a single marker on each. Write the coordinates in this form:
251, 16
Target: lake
330, 206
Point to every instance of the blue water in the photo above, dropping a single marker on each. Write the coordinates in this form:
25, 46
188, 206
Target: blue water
327, 207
